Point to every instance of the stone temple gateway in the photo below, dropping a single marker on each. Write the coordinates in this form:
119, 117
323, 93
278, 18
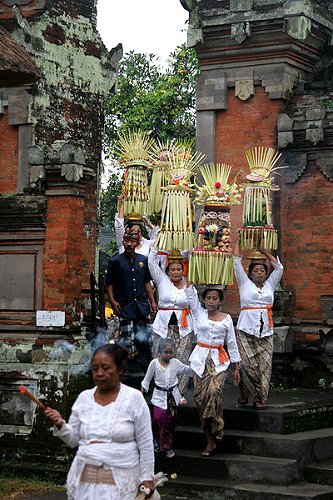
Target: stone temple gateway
266, 79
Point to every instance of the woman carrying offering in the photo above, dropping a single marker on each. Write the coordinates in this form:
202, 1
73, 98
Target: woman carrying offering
255, 326
144, 244
209, 361
110, 425
165, 371
172, 319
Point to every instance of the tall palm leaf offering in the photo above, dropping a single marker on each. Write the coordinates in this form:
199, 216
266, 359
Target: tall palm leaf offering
134, 151
177, 205
159, 179
211, 261
258, 230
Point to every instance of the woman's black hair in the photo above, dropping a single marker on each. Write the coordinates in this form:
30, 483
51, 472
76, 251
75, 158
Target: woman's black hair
206, 290
117, 352
129, 225
141, 225
252, 266
164, 342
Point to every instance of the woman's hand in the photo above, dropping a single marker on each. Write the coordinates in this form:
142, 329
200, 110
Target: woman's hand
54, 417
236, 374
267, 254
150, 486
148, 222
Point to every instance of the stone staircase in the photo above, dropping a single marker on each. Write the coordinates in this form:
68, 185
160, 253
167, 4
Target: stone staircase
284, 452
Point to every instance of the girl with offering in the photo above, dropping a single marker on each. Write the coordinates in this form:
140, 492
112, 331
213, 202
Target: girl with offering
255, 326
165, 371
209, 361
172, 319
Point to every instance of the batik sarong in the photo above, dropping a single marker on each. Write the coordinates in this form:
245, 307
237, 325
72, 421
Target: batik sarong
208, 396
256, 366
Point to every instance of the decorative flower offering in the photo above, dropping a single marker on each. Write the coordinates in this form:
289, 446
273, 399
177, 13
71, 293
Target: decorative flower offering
258, 230
211, 261
160, 165
177, 206
134, 152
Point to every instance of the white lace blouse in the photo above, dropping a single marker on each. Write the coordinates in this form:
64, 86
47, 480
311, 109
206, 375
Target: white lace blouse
211, 333
253, 296
123, 429
170, 299
165, 377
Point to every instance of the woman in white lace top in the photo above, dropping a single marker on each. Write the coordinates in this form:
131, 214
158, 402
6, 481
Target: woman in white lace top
255, 326
173, 317
210, 361
110, 425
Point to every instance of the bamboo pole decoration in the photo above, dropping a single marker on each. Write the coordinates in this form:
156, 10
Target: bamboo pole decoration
24, 390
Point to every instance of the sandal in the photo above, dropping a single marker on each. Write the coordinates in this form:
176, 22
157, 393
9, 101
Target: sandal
242, 402
259, 406
218, 436
170, 453
208, 452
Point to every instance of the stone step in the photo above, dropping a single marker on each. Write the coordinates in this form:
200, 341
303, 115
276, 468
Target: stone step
306, 447
320, 473
190, 488
287, 419
231, 467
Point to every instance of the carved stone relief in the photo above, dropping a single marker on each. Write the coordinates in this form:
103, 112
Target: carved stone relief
315, 135
240, 31
72, 172
296, 163
325, 163
244, 89
297, 27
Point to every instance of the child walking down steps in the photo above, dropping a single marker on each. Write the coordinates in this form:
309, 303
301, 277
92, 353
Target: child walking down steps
165, 372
